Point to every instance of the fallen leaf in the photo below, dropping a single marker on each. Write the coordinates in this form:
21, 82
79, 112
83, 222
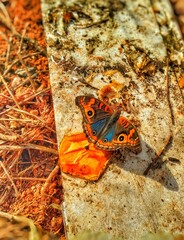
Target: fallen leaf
82, 159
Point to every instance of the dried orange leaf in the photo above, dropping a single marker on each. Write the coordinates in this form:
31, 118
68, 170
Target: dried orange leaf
82, 159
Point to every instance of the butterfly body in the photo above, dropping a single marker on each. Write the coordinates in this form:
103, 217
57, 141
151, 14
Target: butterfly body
105, 127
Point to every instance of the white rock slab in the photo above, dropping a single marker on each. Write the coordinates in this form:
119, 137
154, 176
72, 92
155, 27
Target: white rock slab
142, 42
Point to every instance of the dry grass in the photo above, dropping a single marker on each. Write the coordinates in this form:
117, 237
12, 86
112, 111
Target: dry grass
28, 148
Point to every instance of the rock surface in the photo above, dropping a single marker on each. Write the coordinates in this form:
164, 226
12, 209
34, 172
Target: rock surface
92, 44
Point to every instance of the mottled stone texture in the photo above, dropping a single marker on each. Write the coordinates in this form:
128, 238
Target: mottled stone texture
87, 41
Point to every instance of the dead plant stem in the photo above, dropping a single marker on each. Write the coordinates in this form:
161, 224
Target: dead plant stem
10, 92
28, 146
9, 177
168, 93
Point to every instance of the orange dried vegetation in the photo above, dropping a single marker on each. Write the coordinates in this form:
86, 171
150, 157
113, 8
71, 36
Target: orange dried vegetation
28, 148
82, 159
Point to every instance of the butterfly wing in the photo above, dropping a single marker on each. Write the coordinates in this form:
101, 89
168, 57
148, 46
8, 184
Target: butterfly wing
106, 128
121, 134
96, 115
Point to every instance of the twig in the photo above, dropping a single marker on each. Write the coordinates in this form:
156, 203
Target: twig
167, 92
10, 138
18, 60
22, 61
9, 177
27, 71
50, 178
34, 95
5, 19
5, 129
87, 84
4, 195
25, 100
10, 92
26, 179
13, 159
22, 37
34, 116
28, 146
4, 36
34, 122
92, 24
8, 52
153, 164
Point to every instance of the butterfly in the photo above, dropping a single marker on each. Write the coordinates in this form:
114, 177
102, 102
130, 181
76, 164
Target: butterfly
105, 127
